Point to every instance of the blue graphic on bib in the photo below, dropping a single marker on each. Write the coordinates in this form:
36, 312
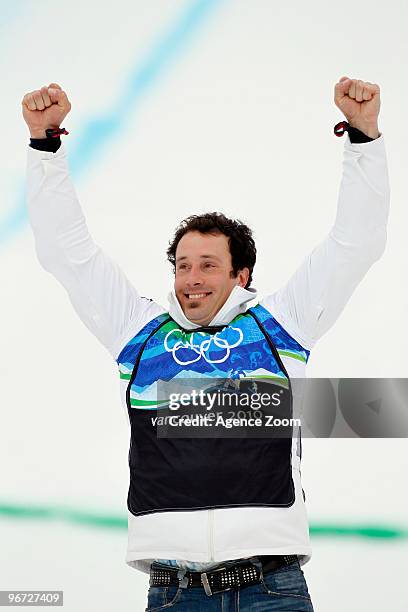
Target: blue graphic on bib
165, 352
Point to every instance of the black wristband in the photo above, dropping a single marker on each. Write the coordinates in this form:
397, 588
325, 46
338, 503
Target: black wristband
46, 144
356, 136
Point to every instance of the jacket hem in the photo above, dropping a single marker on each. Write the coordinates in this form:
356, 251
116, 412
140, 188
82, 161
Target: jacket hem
142, 563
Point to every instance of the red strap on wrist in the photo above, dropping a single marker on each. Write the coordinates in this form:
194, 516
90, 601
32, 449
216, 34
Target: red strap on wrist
55, 133
341, 127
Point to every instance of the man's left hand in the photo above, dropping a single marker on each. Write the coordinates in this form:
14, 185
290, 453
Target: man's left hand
359, 101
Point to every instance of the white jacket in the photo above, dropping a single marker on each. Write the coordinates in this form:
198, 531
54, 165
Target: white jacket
306, 306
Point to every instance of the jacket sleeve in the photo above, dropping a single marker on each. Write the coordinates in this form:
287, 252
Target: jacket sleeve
101, 294
313, 298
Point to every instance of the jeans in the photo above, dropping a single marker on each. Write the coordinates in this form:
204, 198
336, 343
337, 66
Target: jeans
280, 590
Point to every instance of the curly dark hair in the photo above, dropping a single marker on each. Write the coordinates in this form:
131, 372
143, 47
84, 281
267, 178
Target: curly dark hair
241, 243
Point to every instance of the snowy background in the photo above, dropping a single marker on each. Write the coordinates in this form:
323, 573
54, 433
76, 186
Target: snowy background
182, 107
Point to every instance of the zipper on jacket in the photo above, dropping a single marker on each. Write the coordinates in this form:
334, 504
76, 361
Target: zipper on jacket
211, 534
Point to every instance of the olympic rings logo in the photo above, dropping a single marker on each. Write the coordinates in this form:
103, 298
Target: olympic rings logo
202, 349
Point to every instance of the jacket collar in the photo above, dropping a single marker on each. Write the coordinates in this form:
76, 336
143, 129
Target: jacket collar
235, 304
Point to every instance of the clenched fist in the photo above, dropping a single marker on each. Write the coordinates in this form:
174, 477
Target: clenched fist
359, 101
45, 108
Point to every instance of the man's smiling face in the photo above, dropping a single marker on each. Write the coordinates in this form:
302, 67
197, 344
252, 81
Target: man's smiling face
204, 275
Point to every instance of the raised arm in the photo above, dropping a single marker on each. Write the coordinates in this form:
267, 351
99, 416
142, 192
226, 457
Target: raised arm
101, 294
311, 301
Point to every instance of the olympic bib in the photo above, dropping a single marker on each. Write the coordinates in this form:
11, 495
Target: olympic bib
186, 473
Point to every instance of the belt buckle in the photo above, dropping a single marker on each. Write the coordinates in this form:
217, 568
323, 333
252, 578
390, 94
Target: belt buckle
206, 584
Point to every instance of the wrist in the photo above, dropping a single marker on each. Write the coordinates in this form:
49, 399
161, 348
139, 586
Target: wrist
38, 134
370, 130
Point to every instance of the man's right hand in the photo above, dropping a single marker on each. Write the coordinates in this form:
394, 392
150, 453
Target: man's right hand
45, 108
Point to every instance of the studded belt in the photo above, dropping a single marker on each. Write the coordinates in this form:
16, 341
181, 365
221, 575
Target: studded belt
234, 575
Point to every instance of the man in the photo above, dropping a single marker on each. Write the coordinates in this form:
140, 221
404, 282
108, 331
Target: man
217, 522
